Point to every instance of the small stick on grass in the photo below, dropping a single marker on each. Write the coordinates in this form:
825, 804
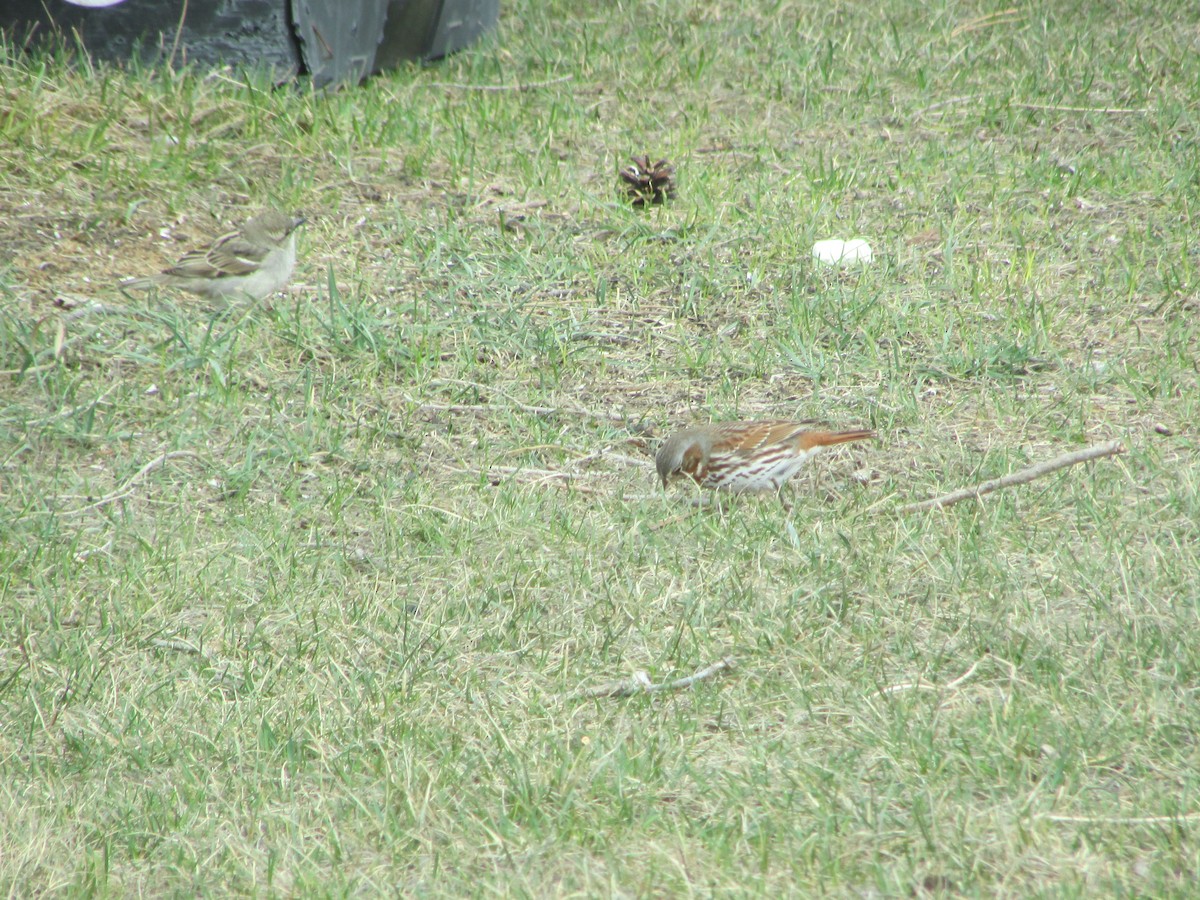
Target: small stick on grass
640, 683
522, 86
918, 686
177, 645
513, 403
1106, 110
125, 490
223, 673
1022, 477
519, 407
1124, 820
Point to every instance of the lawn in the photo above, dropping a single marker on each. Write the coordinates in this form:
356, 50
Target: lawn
314, 596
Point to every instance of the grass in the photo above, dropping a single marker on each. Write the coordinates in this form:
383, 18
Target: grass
295, 597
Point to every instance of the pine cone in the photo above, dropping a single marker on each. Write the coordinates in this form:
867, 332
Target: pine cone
647, 183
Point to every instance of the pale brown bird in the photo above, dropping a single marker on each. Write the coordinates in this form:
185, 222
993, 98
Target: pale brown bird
743, 457
251, 263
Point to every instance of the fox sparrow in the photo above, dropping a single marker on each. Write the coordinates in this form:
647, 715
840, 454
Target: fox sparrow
743, 457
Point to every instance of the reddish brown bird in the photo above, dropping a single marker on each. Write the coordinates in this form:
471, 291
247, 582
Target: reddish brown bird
744, 457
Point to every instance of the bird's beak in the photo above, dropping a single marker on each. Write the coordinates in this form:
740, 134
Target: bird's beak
297, 221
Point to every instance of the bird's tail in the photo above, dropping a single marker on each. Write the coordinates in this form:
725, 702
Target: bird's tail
139, 284
810, 439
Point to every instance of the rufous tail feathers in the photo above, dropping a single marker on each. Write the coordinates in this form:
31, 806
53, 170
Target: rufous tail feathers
810, 439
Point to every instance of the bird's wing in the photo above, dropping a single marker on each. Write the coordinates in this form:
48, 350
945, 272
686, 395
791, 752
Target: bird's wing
229, 255
750, 437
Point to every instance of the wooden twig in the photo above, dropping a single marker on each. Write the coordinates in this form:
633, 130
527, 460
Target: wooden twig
526, 475
513, 403
1106, 110
179, 646
609, 453
125, 490
1043, 107
223, 673
1123, 820
529, 475
526, 86
1022, 477
1003, 17
536, 474
919, 686
519, 407
640, 682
